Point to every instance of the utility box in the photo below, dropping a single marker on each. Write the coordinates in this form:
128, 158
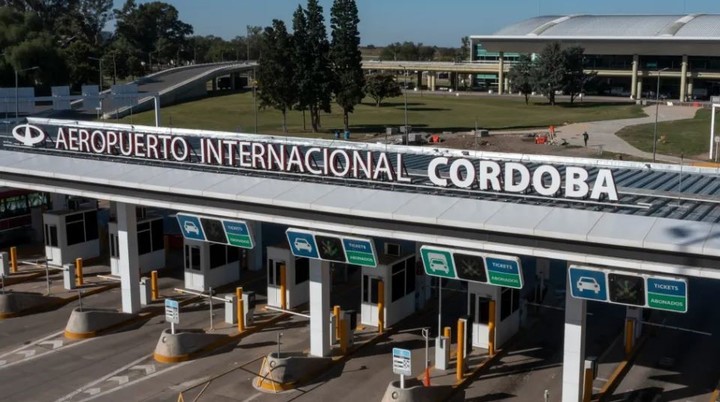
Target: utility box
442, 352
4, 264
249, 307
145, 291
231, 309
69, 276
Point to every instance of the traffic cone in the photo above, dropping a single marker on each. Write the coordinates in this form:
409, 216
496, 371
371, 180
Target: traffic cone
426, 379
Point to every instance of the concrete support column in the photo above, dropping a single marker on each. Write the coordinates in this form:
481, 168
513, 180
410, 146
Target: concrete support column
683, 78
573, 349
506, 85
214, 84
255, 256
128, 261
454, 81
633, 86
639, 88
501, 73
419, 80
690, 87
319, 308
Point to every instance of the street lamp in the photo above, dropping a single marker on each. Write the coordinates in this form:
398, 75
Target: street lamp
16, 87
406, 114
657, 107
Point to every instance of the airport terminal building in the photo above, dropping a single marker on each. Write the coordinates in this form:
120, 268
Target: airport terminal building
629, 52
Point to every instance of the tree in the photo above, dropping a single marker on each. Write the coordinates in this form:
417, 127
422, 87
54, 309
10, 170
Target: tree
152, 28
313, 74
550, 71
575, 76
382, 86
464, 51
274, 74
522, 76
345, 57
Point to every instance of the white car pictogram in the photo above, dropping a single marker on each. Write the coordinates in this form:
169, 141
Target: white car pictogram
587, 283
191, 227
302, 244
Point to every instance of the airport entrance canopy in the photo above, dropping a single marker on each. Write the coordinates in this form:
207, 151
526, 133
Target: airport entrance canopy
636, 215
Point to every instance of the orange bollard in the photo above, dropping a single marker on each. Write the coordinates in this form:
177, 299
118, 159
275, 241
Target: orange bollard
154, 291
13, 260
283, 287
629, 336
460, 370
336, 313
79, 271
447, 332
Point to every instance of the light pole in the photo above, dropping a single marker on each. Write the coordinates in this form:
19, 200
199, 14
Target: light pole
657, 108
406, 115
17, 109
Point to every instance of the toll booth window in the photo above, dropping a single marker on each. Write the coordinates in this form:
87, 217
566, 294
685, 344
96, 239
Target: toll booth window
233, 254
403, 278
75, 229
509, 302
144, 238
370, 290
81, 227
91, 225
221, 255
365, 289
51, 236
302, 270
374, 287
192, 258
271, 272
157, 233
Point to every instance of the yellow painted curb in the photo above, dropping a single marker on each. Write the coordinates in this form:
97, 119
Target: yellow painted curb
170, 359
79, 335
273, 386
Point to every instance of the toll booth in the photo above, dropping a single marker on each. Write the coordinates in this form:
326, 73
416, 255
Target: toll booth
71, 234
296, 271
507, 313
151, 245
398, 277
210, 265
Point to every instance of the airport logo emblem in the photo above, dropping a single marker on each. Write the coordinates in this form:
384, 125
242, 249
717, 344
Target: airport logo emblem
29, 135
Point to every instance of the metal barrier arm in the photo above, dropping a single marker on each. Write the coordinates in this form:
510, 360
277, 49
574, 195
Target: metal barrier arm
194, 293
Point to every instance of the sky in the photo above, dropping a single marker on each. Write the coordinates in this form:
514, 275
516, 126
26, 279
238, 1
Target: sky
439, 22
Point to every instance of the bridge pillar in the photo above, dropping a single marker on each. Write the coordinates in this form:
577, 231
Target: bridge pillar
639, 88
501, 73
214, 84
634, 79
128, 261
319, 308
419, 80
573, 348
683, 78
690, 87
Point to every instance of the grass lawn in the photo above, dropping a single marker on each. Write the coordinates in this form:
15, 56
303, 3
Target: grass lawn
432, 113
689, 137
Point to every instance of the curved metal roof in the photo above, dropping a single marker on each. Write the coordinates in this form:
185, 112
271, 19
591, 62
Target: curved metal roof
706, 26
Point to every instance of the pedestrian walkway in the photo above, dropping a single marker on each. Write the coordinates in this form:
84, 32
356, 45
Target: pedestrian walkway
603, 133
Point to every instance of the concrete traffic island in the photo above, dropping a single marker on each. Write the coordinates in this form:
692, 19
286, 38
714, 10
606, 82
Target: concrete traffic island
13, 304
288, 370
414, 391
89, 322
185, 344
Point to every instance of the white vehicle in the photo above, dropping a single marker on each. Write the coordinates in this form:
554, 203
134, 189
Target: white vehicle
587, 283
302, 244
191, 227
438, 263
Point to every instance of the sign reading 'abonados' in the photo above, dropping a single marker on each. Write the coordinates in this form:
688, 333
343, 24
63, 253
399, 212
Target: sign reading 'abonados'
279, 156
